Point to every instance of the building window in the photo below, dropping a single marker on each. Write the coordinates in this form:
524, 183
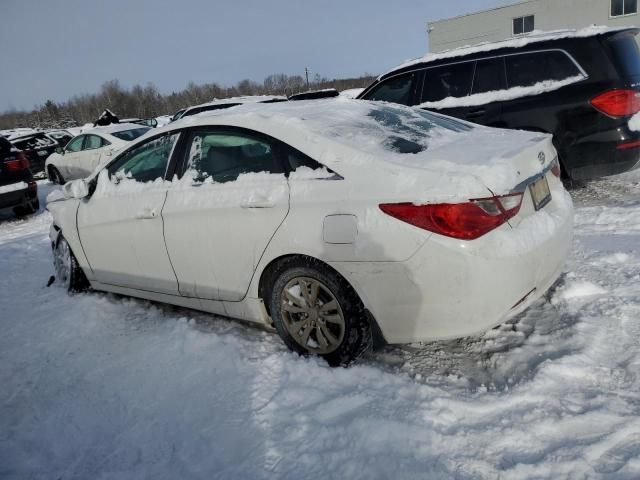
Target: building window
525, 24
623, 7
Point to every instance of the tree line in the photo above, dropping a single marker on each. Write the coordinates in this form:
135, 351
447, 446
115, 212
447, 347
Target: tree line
146, 101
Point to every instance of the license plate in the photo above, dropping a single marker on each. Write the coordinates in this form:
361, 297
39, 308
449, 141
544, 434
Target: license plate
540, 193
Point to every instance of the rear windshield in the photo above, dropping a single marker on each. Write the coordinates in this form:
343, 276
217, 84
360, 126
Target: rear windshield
208, 108
34, 141
407, 131
626, 55
132, 134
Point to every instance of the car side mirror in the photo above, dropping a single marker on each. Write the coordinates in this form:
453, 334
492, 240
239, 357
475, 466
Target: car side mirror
76, 189
60, 150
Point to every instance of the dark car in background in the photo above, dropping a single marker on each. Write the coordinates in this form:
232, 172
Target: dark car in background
582, 86
62, 137
37, 147
18, 191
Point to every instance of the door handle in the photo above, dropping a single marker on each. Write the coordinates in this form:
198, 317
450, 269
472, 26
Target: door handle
260, 203
146, 213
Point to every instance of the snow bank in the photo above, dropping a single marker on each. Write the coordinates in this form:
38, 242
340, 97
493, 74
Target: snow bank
517, 42
103, 386
503, 95
13, 187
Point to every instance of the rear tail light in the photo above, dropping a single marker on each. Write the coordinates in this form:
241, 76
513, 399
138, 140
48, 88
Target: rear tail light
555, 167
618, 103
464, 221
20, 163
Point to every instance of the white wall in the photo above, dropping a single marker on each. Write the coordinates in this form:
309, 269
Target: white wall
497, 24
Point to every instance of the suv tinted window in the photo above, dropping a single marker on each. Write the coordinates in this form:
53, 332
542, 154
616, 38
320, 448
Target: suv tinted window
489, 76
224, 156
447, 81
145, 162
627, 55
395, 90
530, 68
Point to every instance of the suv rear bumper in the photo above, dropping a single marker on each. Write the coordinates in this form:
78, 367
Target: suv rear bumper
19, 198
601, 154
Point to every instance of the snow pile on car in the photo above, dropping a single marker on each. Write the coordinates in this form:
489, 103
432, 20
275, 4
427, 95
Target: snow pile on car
358, 137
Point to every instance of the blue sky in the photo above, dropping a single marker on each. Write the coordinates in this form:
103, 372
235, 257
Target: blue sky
56, 49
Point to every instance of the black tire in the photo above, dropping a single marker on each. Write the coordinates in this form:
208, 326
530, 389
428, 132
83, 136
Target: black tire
55, 176
69, 275
28, 209
355, 327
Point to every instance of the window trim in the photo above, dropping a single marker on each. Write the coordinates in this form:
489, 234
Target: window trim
611, 16
522, 17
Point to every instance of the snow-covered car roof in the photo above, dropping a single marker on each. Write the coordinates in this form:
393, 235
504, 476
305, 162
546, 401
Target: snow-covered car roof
520, 41
241, 100
358, 136
114, 128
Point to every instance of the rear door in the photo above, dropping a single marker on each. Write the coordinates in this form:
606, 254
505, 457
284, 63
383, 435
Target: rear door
234, 196
92, 150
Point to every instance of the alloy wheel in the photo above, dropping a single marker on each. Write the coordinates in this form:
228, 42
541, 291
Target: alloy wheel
312, 315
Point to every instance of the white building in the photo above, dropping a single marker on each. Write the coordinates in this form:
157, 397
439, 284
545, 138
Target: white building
522, 17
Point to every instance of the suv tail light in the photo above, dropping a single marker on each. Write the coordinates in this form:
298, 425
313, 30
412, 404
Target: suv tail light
464, 221
618, 103
555, 167
20, 163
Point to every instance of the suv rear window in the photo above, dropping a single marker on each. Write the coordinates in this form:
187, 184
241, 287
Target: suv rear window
626, 55
447, 81
525, 70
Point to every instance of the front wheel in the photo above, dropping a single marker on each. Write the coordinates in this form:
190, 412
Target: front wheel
68, 273
316, 312
55, 176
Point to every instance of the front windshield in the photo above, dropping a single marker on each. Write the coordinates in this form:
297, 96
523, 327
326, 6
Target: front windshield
132, 134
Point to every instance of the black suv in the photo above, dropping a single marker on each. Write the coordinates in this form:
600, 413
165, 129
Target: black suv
37, 147
582, 86
18, 191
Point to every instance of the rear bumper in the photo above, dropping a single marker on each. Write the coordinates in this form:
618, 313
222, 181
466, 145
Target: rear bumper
600, 154
452, 289
18, 198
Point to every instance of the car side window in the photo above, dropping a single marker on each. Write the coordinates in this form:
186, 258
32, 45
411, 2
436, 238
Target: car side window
447, 81
92, 142
396, 90
147, 161
297, 159
223, 156
75, 145
489, 76
525, 70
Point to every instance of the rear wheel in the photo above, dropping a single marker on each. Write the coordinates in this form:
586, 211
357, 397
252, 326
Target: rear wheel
68, 273
316, 312
55, 176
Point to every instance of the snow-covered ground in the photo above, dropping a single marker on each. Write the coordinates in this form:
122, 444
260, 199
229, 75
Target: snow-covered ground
105, 387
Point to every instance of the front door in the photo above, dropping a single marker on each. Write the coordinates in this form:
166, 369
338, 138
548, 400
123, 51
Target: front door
120, 225
233, 197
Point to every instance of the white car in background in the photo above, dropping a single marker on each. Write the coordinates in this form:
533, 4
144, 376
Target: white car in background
84, 153
334, 221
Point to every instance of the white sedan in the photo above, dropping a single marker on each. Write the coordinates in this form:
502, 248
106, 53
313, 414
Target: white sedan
82, 155
334, 221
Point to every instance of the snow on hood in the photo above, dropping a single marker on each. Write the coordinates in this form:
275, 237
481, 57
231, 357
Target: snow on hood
356, 137
521, 41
